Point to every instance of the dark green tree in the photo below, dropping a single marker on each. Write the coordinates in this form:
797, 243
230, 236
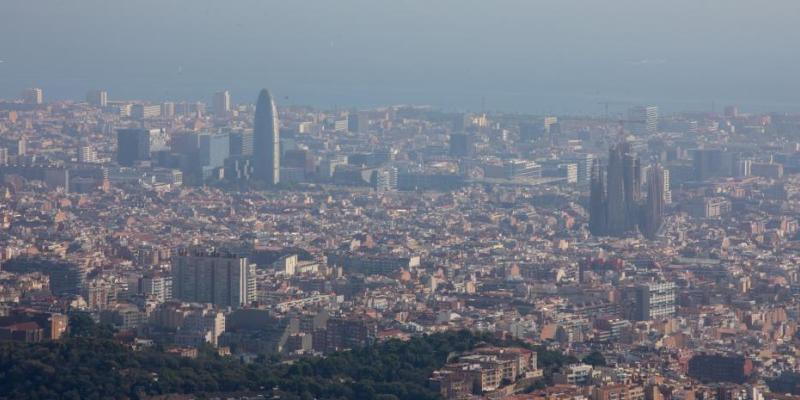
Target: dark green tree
595, 359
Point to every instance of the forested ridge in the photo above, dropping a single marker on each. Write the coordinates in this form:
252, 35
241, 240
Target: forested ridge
94, 367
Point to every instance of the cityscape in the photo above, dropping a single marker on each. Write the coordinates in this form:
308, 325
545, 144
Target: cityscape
243, 246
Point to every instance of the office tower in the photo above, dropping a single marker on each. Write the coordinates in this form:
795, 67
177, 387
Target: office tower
291, 175
654, 301
356, 122
340, 125
213, 148
266, 140
520, 169
222, 103
238, 168
386, 179
185, 143
643, 120
132, 145
461, 145
551, 129
585, 162
568, 171
328, 166
32, 96
242, 143
708, 163
201, 155
156, 287
3, 156
301, 159
667, 191
142, 111
97, 98
743, 168
703, 162
18, 146
224, 280
168, 109
653, 211
296, 158
87, 154
597, 201
560, 169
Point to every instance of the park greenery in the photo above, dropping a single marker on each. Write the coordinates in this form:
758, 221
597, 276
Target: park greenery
90, 364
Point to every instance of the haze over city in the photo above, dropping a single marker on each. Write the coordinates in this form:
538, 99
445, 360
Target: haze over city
405, 200
521, 56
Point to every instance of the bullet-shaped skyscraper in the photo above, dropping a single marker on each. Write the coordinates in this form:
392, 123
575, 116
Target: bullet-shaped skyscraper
266, 140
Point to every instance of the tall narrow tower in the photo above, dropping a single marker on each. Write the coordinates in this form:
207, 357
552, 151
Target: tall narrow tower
617, 214
222, 103
653, 212
597, 204
266, 140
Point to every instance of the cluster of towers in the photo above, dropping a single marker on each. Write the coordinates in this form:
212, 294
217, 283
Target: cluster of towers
617, 206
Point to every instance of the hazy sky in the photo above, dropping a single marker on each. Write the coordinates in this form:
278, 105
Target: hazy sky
521, 55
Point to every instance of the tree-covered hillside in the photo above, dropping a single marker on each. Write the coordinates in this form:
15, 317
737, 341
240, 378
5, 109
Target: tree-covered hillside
94, 368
